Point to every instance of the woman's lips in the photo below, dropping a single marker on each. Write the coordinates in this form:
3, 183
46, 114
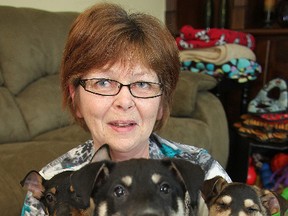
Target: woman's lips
127, 125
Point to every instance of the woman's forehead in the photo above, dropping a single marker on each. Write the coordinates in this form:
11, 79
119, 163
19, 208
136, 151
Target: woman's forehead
125, 68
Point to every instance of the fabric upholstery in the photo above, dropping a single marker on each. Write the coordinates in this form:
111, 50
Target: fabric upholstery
33, 103
31, 45
186, 92
32, 50
13, 126
34, 129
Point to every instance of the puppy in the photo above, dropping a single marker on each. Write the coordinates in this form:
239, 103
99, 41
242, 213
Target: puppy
138, 187
224, 198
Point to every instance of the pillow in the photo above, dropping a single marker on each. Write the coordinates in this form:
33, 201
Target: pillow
185, 96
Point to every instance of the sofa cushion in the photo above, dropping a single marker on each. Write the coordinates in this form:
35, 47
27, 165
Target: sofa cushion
185, 95
40, 104
12, 125
1, 79
33, 47
69, 133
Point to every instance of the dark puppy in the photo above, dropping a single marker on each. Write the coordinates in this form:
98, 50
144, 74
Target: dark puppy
224, 198
133, 187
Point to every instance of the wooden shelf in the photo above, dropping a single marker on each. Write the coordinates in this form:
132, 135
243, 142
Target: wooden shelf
266, 31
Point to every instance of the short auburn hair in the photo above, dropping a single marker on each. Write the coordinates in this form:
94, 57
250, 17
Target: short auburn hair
103, 35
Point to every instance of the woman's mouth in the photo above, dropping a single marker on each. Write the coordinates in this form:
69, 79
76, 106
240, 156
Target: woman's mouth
123, 124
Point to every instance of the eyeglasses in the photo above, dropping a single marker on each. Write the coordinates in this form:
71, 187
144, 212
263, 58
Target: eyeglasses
108, 87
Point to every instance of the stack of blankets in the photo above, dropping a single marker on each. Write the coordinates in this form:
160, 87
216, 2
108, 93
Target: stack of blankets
221, 53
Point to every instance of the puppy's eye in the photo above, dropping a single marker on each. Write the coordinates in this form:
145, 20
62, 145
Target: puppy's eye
165, 188
49, 198
252, 210
119, 191
222, 206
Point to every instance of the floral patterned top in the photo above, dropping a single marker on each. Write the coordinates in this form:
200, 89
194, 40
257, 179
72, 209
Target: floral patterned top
158, 148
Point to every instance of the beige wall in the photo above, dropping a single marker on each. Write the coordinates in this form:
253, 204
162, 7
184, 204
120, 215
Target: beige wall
153, 7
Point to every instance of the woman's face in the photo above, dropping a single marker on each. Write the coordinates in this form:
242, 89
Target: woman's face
122, 121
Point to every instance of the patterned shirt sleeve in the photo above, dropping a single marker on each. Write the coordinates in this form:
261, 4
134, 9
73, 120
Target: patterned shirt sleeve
32, 206
160, 148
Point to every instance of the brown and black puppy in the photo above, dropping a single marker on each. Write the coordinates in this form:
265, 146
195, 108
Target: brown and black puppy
129, 188
225, 199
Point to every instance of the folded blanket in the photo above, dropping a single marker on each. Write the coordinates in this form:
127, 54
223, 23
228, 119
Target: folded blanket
217, 54
191, 38
262, 130
242, 70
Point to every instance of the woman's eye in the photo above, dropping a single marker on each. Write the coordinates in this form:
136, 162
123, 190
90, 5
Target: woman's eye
145, 85
102, 83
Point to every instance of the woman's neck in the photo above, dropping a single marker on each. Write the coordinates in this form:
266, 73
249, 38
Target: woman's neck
142, 152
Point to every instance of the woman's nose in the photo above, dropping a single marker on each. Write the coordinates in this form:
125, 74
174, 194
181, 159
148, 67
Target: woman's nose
124, 99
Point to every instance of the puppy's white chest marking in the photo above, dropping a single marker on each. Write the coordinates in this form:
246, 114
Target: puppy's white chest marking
181, 208
102, 209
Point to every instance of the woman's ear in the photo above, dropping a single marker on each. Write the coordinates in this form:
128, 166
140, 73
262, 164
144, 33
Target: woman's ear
160, 112
73, 95
72, 92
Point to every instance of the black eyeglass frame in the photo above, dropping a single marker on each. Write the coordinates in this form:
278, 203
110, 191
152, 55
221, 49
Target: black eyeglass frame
82, 82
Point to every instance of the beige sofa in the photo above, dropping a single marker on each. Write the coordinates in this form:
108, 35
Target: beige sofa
33, 127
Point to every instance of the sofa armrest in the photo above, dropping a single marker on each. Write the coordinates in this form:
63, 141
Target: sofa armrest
210, 110
198, 117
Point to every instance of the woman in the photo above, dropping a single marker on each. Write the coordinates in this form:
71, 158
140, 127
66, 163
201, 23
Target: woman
119, 72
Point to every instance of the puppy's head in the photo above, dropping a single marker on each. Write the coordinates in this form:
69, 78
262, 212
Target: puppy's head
56, 195
141, 187
224, 198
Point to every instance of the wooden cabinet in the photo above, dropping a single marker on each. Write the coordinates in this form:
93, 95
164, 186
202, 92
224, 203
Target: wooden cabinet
239, 14
243, 15
272, 53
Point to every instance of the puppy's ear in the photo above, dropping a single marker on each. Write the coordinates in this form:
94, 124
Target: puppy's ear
274, 202
212, 187
192, 176
84, 180
103, 153
33, 182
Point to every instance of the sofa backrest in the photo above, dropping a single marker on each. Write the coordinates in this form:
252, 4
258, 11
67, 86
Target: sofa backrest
31, 45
